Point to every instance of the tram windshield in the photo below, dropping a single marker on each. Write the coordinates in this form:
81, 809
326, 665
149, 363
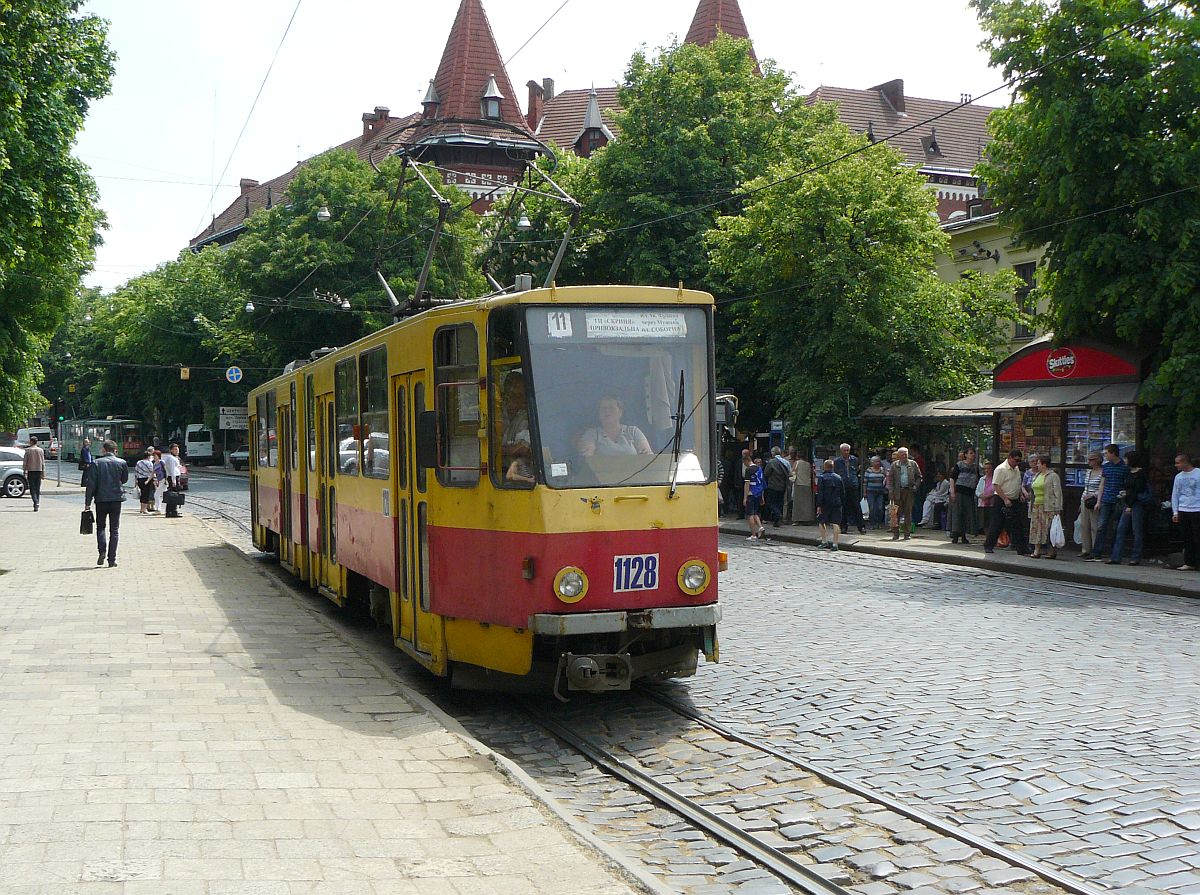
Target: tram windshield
606, 386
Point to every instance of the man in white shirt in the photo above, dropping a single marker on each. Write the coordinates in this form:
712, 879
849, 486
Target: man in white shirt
1185, 510
171, 465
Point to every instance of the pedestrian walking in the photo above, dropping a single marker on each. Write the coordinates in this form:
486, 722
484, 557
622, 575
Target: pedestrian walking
1185, 510
965, 476
788, 504
745, 473
846, 466
86, 462
106, 487
875, 479
755, 486
1113, 474
34, 466
903, 482
831, 496
1089, 505
143, 475
1136, 502
776, 473
171, 464
1009, 514
1045, 507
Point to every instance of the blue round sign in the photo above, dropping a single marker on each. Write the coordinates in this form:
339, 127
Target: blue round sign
234, 374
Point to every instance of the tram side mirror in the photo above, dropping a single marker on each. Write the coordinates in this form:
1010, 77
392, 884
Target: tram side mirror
427, 439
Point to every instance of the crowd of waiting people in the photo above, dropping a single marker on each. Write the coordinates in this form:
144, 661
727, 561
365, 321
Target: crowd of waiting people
1018, 504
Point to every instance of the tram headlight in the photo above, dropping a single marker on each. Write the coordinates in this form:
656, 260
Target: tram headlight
694, 577
570, 584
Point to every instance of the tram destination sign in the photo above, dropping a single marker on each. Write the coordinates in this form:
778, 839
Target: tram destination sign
235, 418
636, 325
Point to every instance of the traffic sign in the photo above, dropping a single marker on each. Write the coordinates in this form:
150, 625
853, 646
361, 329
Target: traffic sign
185, 373
235, 418
234, 375
71, 388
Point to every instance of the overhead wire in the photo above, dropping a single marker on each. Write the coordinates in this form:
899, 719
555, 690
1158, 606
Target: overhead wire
249, 114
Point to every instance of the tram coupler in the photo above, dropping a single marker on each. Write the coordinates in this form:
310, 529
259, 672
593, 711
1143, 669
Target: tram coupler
594, 673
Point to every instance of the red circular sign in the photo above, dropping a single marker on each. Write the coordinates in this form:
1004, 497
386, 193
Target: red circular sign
1060, 363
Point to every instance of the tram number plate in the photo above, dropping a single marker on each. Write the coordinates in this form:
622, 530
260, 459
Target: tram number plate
638, 571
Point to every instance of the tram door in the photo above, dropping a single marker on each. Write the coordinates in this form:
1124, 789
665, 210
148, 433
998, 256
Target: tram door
286, 548
413, 624
323, 513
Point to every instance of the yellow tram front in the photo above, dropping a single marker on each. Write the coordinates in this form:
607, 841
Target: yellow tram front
529, 477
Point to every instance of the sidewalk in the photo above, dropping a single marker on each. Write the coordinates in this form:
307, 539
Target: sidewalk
182, 725
934, 546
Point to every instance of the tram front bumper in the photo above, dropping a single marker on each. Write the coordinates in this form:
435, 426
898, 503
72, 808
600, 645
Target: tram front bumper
571, 624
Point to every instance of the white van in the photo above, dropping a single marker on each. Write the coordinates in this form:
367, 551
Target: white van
46, 440
199, 446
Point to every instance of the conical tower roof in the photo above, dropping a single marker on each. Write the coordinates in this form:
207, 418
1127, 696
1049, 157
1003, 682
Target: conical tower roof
715, 17
469, 62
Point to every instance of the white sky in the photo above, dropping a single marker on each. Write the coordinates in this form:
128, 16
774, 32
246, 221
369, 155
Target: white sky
187, 74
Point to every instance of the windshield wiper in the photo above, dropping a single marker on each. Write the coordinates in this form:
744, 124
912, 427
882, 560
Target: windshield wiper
677, 440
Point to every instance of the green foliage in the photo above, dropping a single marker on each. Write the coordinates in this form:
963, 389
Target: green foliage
286, 253
696, 123
846, 309
1099, 158
53, 63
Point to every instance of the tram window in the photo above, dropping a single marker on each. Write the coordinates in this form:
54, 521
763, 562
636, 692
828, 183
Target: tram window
512, 462
456, 373
423, 553
375, 425
310, 417
263, 459
418, 409
401, 438
272, 430
345, 395
292, 426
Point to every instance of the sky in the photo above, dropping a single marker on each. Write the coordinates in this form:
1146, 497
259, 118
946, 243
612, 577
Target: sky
187, 74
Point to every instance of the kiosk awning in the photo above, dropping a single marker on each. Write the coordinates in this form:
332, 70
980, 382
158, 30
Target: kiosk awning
924, 412
1046, 397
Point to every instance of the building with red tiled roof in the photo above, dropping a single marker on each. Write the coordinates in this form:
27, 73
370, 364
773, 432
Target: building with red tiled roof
471, 126
945, 150
575, 120
715, 17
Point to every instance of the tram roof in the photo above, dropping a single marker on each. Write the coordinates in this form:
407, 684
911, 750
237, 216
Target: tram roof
566, 295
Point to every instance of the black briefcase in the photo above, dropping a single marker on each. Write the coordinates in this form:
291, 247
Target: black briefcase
87, 522
173, 498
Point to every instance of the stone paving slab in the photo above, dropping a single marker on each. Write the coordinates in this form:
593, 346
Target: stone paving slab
180, 725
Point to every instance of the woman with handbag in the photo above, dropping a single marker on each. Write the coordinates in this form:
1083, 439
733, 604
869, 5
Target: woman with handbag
143, 474
1046, 508
1138, 500
985, 496
1089, 504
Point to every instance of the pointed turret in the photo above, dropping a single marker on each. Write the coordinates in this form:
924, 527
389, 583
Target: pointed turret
715, 17
471, 69
595, 132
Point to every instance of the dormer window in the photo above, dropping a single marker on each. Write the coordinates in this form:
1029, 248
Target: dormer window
431, 102
491, 99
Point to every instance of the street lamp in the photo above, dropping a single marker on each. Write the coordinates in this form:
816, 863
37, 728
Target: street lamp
323, 214
523, 223
249, 307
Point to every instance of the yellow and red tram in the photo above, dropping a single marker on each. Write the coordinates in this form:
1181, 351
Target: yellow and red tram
521, 484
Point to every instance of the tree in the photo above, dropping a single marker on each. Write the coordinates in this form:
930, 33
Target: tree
287, 252
1099, 158
845, 307
53, 64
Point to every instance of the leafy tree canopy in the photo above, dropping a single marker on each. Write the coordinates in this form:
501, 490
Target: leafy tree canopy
286, 253
53, 64
846, 309
1099, 158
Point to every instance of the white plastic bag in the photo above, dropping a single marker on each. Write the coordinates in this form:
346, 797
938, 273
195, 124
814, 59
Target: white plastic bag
864, 506
1079, 531
1057, 538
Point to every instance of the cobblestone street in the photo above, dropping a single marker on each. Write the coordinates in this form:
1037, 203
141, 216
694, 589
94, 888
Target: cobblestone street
1062, 723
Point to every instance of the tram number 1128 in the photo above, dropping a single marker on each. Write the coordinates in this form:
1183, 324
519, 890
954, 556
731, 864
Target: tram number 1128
635, 572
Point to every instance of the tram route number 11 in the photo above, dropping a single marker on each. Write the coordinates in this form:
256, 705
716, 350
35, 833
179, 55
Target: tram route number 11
558, 324
638, 571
